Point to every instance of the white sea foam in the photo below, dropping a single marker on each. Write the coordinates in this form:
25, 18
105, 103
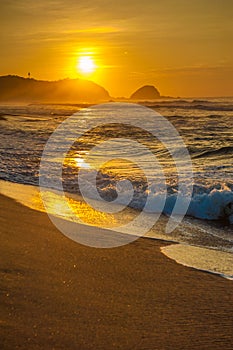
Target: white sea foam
207, 260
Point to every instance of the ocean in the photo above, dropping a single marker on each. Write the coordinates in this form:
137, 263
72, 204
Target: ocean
205, 127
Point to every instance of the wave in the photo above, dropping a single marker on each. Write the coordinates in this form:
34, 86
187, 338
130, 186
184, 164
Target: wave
202, 101
193, 106
207, 203
216, 152
216, 205
37, 111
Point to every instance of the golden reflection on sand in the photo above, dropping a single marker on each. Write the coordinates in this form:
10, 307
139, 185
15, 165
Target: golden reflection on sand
91, 216
81, 212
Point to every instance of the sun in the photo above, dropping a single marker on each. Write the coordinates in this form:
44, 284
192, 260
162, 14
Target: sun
86, 65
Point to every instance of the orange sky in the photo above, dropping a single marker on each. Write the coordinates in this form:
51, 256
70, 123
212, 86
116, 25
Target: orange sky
182, 47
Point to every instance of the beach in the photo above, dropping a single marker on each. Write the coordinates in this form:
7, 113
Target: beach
58, 294
116, 175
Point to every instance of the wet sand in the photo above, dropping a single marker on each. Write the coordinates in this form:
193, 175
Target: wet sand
57, 294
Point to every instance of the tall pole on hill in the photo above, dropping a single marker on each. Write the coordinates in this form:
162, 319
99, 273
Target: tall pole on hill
29, 75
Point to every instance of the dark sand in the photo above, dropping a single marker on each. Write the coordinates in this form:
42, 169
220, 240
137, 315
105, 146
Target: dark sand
57, 294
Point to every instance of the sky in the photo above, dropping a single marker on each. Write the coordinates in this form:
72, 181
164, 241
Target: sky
184, 48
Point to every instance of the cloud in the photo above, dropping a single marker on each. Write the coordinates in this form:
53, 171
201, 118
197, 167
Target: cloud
193, 70
184, 71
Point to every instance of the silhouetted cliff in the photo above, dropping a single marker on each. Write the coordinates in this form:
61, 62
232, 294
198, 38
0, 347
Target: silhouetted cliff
147, 92
18, 89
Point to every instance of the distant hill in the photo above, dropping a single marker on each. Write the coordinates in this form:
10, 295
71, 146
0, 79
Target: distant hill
17, 89
145, 93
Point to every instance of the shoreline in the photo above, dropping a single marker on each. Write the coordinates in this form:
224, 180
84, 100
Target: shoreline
59, 294
210, 259
189, 255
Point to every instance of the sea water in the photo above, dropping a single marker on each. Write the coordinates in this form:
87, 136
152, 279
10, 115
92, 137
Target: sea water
206, 127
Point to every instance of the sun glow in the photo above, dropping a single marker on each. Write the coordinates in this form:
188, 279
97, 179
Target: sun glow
86, 65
